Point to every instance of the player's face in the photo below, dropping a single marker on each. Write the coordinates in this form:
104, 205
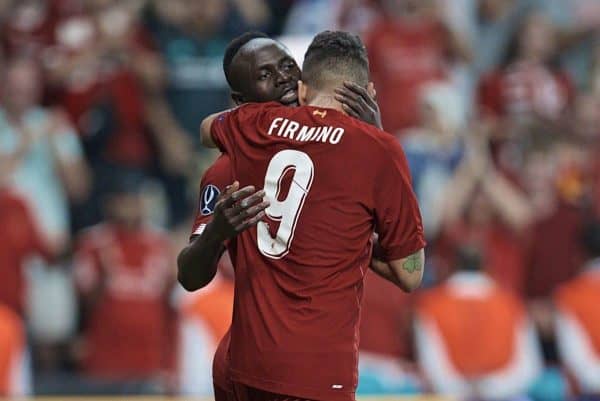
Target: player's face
266, 72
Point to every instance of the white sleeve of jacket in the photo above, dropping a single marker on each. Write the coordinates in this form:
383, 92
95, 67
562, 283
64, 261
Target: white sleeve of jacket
433, 358
196, 352
20, 375
524, 367
577, 351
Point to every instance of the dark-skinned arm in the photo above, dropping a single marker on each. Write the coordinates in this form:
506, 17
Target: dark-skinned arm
206, 138
235, 211
359, 102
356, 101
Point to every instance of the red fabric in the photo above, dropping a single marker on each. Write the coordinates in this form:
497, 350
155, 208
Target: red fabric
246, 393
503, 252
525, 88
301, 306
217, 175
221, 364
385, 324
223, 394
20, 240
133, 272
22, 34
556, 253
403, 58
129, 143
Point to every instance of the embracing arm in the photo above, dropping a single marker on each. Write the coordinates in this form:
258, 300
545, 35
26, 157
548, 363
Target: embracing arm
197, 262
236, 210
406, 273
205, 130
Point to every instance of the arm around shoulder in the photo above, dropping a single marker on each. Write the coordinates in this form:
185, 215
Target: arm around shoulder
205, 131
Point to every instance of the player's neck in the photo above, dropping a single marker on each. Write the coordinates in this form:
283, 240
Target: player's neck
326, 100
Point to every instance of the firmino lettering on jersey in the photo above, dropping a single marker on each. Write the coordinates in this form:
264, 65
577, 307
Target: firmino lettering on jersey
293, 130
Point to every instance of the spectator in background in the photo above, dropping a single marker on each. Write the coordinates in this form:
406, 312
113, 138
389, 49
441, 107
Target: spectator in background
386, 360
51, 171
473, 337
529, 84
577, 320
29, 26
348, 15
435, 149
124, 273
555, 179
191, 36
408, 48
485, 208
21, 239
205, 320
15, 375
110, 80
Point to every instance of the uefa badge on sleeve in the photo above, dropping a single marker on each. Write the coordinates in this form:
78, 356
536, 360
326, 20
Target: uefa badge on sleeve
208, 199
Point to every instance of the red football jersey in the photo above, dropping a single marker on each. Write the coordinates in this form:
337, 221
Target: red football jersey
331, 180
20, 241
524, 88
213, 182
131, 317
403, 58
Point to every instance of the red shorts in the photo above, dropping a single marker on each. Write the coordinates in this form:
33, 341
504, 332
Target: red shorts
222, 394
246, 393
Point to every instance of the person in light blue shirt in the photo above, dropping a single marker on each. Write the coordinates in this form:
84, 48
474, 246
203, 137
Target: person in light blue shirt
48, 167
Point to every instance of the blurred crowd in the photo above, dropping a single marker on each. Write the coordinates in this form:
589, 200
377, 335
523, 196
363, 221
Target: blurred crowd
496, 103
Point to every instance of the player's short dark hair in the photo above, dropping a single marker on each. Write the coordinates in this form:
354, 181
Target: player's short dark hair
234, 47
335, 56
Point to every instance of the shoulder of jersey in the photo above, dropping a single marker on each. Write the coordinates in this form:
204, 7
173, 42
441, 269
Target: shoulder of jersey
251, 106
220, 169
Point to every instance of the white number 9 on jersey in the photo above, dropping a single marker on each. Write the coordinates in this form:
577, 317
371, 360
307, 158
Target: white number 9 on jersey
288, 210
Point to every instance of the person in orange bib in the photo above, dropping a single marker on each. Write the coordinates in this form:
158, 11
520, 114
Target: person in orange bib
15, 377
473, 337
578, 320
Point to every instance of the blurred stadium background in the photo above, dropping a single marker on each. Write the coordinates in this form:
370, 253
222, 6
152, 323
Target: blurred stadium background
497, 105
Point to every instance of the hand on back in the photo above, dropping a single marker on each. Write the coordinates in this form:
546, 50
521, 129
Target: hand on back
237, 210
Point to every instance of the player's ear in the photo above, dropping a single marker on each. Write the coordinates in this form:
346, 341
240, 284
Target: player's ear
237, 98
302, 93
371, 90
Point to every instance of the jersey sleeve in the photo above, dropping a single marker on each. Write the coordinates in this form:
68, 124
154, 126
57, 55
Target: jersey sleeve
212, 184
397, 216
226, 127
233, 129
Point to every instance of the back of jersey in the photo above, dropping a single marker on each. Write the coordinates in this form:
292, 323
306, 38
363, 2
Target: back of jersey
331, 180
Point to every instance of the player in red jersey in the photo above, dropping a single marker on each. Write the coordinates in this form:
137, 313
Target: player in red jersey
281, 85
329, 180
